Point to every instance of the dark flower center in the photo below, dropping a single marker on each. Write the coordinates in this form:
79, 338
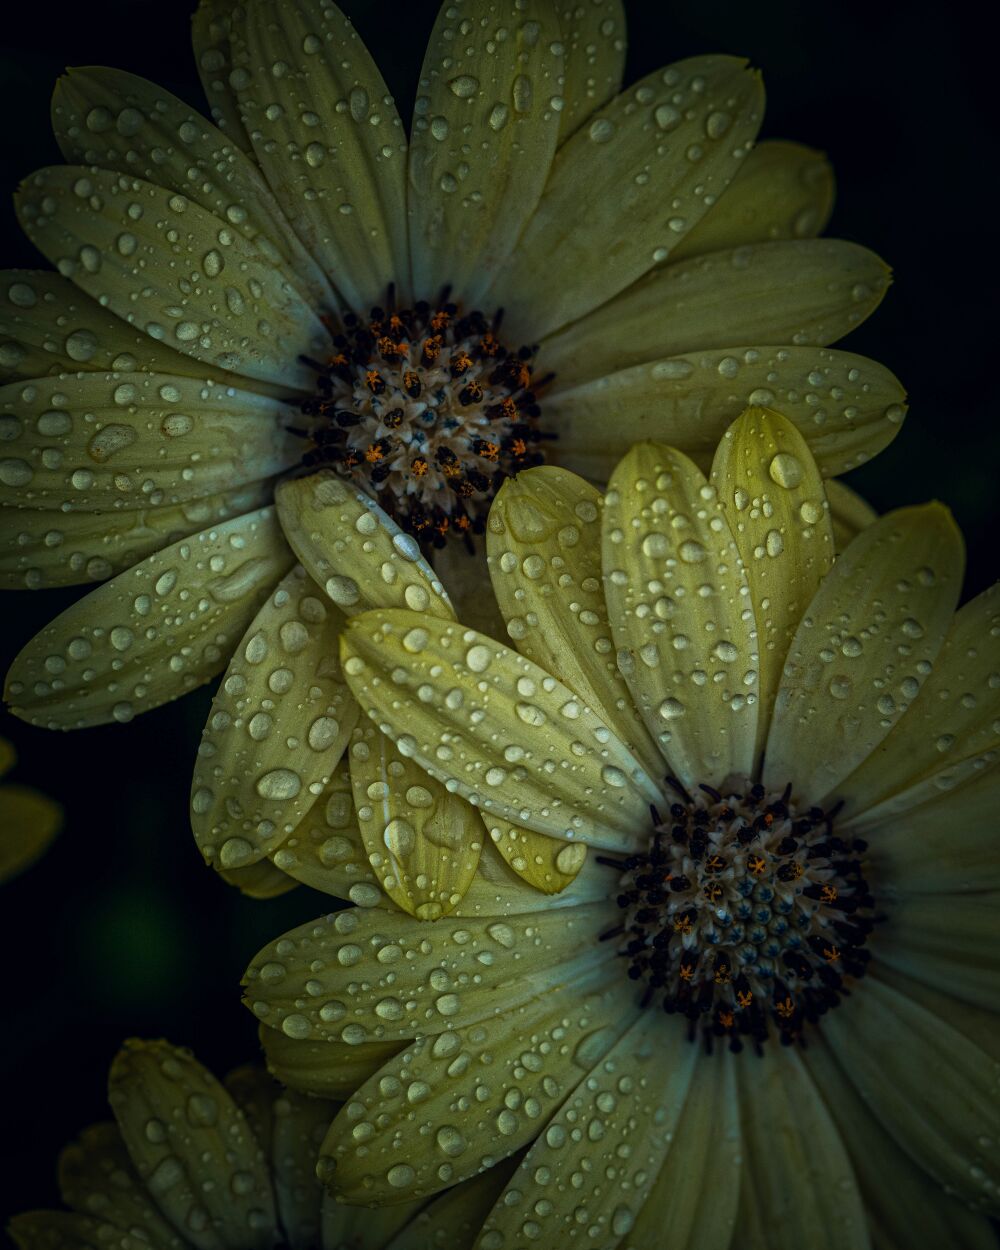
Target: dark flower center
427, 410
744, 914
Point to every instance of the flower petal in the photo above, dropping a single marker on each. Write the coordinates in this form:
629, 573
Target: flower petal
781, 191
106, 442
628, 1109
904, 1211
354, 550
946, 844
772, 494
699, 1183
325, 850
544, 553
799, 1188
154, 632
462, 570
453, 1219
548, 864
681, 614
326, 1069
346, 1227
259, 880
955, 716
865, 643
41, 548
931, 1087
948, 943
161, 262
279, 723
300, 1125
28, 823
498, 889
429, 1118
182, 1129
496, 728
484, 133
329, 140
96, 1177
48, 325
593, 38
374, 975
422, 842
160, 138
59, 1230
211, 34
846, 407
802, 291
624, 190
849, 513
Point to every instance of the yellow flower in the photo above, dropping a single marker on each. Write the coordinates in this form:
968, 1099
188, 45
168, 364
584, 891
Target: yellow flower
28, 821
194, 1162
303, 287
785, 769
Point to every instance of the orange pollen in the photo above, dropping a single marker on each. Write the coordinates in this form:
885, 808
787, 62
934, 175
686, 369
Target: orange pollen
373, 378
418, 467
785, 1008
756, 864
452, 469
828, 893
439, 321
744, 998
518, 446
490, 451
509, 408
432, 348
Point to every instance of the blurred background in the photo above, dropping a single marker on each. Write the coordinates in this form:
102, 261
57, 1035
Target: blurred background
121, 930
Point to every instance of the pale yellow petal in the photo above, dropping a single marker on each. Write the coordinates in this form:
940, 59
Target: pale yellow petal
772, 495
96, 1178
799, 1188
864, 646
946, 843
43, 548
498, 889
544, 550
154, 632
594, 41
948, 943
325, 849
373, 975
485, 127
849, 513
628, 1109
300, 1124
905, 1212
932, 1088
211, 35
847, 408
782, 190
327, 1069
48, 325
496, 728
351, 548
348, 1227
454, 1219
8, 756
173, 1115
548, 864
422, 842
698, 1186
279, 724
59, 1230
955, 716
114, 120
803, 292
681, 614
259, 880
205, 289
28, 823
623, 190
326, 133
110, 442
433, 1115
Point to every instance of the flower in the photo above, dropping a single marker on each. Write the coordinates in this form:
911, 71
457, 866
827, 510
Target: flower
194, 1162
766, 1006
301, 288
28, 821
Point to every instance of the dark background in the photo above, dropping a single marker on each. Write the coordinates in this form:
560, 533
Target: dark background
120, 930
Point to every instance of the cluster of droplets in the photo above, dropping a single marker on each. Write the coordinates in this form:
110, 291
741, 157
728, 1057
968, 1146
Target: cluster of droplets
743, 914
427, 409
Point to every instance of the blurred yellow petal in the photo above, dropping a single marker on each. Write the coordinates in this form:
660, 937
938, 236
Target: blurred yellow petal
28, 823
849, 512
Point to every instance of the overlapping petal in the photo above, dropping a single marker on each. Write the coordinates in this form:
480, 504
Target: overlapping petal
628, 165
486, 122
593, 39
152, 633
681, 614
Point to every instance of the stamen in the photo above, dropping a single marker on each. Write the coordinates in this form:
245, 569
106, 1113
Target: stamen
743, 914
426, 407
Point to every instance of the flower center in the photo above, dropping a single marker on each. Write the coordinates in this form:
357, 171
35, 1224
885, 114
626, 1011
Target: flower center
744, 913
428, 410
